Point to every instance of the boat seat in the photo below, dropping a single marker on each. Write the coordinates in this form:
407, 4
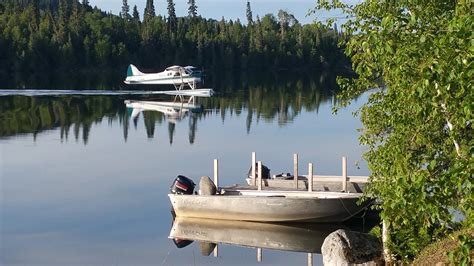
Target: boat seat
206, 186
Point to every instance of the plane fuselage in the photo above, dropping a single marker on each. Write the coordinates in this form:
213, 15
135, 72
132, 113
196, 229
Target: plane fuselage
172, 75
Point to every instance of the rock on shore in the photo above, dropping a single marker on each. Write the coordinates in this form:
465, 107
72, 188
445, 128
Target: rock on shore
344, 247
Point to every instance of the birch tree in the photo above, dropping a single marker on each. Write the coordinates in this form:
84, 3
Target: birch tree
417, 124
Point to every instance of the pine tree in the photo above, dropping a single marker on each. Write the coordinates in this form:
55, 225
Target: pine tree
249, 14
85, 6
62, 10
192, 10
125, 10
149, 11
74, 8
75, 17
172, 20
147, 18
135, 14
35, 6
62, 18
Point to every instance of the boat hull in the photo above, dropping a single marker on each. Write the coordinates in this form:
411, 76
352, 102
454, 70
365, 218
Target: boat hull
292, 207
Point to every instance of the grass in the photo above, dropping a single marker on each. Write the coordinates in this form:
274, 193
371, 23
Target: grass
436, 253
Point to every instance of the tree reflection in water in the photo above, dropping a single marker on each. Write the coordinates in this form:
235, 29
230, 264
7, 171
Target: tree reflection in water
269, 97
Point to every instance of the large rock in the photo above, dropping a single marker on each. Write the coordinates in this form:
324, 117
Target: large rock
343, 247
206, 186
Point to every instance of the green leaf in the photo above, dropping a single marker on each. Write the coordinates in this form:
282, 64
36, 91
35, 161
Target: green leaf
388, 48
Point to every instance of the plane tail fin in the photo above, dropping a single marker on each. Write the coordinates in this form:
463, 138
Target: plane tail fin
133, 71
136, 112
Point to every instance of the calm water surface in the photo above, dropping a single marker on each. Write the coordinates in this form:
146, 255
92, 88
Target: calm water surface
84, 179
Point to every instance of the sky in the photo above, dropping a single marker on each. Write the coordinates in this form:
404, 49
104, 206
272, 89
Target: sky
229, 9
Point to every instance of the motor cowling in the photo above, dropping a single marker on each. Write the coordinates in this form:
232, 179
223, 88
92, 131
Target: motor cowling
182, 186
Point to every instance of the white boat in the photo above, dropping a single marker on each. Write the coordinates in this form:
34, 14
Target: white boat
174, 75
270, 205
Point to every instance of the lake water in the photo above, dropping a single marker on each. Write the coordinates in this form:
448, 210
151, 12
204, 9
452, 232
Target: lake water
84, 179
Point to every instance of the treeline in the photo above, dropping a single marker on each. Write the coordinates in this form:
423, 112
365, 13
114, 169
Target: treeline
47, 35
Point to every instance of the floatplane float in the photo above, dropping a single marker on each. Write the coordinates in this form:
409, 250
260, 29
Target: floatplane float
178, 76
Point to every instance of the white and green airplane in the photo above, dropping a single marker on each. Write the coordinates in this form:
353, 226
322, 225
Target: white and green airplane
175, 75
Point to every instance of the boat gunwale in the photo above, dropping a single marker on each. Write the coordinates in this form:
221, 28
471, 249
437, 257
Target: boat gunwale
281, 194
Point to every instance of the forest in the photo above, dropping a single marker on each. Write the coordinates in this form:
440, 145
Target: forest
70, 36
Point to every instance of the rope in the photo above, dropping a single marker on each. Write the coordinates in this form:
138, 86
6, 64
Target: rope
342, 202
166, 258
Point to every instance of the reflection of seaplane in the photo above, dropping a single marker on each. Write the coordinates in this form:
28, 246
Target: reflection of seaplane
179, 77
174, 111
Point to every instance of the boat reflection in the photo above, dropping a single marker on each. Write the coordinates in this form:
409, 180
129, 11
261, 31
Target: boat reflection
307, 238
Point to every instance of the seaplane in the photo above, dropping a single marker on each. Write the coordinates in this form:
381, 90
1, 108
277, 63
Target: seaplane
180, 77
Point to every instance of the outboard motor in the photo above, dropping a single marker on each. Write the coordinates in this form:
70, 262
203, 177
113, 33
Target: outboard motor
183, 186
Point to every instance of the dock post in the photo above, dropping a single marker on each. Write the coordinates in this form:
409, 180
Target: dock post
254, 161
310, 259
216, 173
216, 251
295, 169
259, 254
310, 177
259, 181
344, 174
